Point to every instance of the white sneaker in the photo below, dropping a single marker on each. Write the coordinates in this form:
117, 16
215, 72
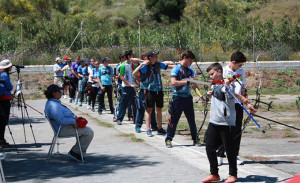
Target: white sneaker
239, 161
89, 107
220, 161
65, 97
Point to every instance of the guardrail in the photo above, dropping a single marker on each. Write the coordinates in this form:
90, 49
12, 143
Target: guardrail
263, 65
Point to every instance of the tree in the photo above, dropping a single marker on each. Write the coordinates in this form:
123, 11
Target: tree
171, 9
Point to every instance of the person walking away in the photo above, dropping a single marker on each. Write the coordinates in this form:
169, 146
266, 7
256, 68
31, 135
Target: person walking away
5, 97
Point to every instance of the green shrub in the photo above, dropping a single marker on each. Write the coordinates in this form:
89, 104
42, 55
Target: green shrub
280, 51
298, 81
287, 72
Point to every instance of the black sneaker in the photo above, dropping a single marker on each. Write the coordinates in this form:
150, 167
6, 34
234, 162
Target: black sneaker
75, 156
161, 132
154, 128
169, 144
93, 110
100, 112
70, 100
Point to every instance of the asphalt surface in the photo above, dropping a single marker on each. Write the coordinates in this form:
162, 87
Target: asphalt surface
113, 157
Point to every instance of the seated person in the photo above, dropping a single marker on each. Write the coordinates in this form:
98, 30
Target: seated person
60, 114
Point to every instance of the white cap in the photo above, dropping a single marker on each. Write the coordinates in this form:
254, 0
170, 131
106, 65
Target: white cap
5, 64
57, 59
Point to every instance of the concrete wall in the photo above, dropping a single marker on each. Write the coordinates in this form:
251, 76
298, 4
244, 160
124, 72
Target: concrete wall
265, 65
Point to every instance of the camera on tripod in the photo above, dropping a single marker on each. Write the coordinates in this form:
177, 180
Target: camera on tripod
19, 66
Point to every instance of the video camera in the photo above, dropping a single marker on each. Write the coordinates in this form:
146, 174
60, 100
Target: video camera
19, 66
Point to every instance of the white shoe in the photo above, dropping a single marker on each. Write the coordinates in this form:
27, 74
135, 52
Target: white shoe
65, 97
239, 161
220, 161
89, 107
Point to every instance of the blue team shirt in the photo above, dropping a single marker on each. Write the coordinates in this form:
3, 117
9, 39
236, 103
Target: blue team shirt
85, 73
181, 72
105, 74
79, 71
154, 77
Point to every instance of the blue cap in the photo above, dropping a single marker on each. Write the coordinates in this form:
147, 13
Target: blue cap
105, 59
87, 61
151, 53
82, 60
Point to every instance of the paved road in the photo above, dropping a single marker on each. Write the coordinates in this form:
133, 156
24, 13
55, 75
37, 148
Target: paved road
113, 157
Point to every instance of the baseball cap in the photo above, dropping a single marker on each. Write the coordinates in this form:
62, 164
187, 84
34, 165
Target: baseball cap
67, 58
151, 53
5, 64
53, 88
57, 59
105, 59
87, 61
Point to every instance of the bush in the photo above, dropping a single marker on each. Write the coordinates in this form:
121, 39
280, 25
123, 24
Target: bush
298, 81
280, 51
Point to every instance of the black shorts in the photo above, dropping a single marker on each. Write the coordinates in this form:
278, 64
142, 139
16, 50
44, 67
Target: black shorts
153, 98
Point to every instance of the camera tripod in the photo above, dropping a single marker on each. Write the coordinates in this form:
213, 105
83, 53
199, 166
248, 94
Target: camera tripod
23, 106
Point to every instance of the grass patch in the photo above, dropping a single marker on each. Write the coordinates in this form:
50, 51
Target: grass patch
288, 133
132, 137
105, 124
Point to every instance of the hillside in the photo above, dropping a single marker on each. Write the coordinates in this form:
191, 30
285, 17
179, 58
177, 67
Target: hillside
111, 26
277, 9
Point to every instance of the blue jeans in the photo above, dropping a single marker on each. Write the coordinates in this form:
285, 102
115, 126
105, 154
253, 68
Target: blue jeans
140, 111
128, 96
182, 104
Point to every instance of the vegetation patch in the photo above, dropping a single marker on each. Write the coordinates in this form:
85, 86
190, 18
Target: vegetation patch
132, 137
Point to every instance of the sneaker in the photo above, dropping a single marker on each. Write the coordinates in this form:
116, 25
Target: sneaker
119, 122
99, 112
104, 109
149, 133
196, 143
154, 128
80, 103
75, 156
130, 119
169, 144
231, 179
220, 161
93, 110
212, 178
161, 132
239, 161
115, 119
89, 106
76, 102
138, 130
70, 100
